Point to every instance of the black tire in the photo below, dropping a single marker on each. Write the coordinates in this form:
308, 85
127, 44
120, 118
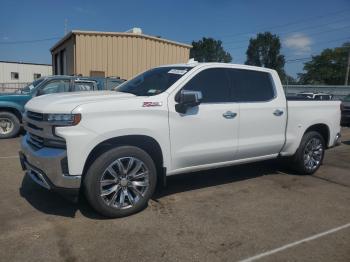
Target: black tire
297, 162
95, 172
16, 125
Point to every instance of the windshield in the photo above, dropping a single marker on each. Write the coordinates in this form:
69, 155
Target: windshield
347, 98
154, 81
29, 88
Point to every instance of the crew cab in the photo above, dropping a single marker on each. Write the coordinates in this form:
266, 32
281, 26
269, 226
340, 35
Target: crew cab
12, 104
116, 146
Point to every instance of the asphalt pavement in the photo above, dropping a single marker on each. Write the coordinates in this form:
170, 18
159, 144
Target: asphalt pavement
258, 212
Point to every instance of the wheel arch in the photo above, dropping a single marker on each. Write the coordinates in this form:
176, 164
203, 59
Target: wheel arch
146, 143
12, 110
322, 129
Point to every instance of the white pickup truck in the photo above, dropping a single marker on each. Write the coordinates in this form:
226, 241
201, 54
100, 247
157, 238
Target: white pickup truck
116, 146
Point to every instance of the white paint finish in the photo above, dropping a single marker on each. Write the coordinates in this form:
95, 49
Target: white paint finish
118, 120
221, 164
303, 114
260, 131
296, 243
198, 140
26, 72
202, 135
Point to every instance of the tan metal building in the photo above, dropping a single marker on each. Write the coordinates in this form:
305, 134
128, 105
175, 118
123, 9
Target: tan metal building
114, 54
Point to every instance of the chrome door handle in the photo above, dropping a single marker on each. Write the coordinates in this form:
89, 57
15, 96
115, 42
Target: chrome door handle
278, 112
229, 115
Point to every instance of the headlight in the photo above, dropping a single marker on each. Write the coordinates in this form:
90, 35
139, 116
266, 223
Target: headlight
64, 119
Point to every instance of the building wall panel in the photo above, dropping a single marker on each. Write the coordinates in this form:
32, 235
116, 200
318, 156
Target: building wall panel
123, 55
25, 71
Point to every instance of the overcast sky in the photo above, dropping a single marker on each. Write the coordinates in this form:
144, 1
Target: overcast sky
305, 27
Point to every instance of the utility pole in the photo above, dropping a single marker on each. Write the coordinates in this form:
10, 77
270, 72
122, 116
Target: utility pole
347, 69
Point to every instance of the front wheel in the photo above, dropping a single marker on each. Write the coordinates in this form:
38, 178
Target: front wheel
310, 153
9, 125
120, 181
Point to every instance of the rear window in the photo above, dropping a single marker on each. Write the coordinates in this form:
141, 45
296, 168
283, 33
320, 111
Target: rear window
251, 86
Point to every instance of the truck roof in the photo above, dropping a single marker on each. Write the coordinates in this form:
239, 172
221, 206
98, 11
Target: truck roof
229, 65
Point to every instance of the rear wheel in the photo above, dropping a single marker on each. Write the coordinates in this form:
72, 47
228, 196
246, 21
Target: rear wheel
121, 181
9, 125
310, 153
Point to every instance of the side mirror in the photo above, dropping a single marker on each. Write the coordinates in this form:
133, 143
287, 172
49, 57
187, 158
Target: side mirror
187, 99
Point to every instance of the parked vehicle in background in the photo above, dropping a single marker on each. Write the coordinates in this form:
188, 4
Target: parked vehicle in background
315, 96
345, 111
108, 83
116, 146
12, 104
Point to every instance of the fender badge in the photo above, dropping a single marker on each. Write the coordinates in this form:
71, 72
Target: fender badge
151, 104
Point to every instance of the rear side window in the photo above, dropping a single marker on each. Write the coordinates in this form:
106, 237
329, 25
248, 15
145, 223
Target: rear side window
83, 86
213, 83
251, 86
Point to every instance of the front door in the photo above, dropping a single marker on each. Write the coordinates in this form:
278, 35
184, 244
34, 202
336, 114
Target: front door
207, 133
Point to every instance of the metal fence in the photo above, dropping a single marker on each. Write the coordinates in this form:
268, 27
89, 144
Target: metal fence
11, 87
337, 91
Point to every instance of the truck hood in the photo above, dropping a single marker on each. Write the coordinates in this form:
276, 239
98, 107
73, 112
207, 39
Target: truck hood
66, 102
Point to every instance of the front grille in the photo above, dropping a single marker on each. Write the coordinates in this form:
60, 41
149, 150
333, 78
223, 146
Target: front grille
38, 142
35, 116
32, 126
35, 141
40, 132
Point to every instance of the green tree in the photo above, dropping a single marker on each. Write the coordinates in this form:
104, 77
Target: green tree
328, 68
264, 50
209, 50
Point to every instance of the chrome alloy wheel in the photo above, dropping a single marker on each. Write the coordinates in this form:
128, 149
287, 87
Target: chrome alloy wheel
6, 126
124, 183
313, 153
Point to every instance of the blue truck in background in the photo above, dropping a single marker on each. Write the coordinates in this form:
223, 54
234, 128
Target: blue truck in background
12, 104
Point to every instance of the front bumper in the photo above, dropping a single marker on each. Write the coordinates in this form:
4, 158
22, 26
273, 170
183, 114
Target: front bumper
48, 167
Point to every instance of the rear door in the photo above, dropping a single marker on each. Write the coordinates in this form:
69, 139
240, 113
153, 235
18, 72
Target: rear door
262, 113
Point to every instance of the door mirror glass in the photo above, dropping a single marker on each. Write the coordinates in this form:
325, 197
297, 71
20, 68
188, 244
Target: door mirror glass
188, 99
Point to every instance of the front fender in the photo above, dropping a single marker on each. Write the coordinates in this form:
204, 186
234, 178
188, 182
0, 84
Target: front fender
81, 141
11, 105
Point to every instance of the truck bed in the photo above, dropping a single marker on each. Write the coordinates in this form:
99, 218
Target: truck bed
304, 114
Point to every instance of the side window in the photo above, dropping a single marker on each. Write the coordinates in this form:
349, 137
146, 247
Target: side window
213, 83
56, 86
251, 86
83, 86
